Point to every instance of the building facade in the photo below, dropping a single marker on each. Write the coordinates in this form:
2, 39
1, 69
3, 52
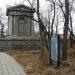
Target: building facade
20, 21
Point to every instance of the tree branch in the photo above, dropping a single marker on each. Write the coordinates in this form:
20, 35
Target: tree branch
61, 6
30, 3
53, 19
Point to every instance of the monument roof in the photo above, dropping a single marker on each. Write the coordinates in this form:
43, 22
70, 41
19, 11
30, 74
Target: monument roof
20, 8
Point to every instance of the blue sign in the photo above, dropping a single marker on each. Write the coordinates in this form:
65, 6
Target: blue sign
54, 45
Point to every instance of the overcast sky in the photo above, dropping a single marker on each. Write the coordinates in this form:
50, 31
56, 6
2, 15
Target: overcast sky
5, 3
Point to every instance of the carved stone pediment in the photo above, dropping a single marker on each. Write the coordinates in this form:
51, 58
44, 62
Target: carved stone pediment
20, 8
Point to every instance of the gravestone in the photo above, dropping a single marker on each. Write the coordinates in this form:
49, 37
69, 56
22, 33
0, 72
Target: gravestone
54, 45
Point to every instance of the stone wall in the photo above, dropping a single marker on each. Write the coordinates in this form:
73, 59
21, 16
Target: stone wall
7, 43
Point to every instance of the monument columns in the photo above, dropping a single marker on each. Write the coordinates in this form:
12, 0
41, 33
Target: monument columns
10, 26
20, 23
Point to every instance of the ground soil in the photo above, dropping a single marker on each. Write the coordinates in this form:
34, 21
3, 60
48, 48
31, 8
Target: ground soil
33, 65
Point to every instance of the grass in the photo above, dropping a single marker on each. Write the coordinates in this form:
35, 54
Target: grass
33, 65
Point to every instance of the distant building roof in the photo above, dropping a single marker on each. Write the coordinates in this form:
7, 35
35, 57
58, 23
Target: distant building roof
18, 8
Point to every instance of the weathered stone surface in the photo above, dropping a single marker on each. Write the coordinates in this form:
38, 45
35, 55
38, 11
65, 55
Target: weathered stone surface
13, 42
20, 21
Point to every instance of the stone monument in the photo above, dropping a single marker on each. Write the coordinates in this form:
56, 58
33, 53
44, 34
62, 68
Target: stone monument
20, 21
20, 28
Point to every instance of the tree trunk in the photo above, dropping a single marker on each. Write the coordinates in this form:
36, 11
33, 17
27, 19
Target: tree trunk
42, 30
71, 32
64, 53
53, 19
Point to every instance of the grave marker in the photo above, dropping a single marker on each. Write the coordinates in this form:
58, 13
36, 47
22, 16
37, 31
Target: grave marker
54, 45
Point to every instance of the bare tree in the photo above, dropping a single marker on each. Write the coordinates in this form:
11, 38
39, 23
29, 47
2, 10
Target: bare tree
57, 26
71, 27
43, 33
66, 26
43, 30
53, 19
2, 28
